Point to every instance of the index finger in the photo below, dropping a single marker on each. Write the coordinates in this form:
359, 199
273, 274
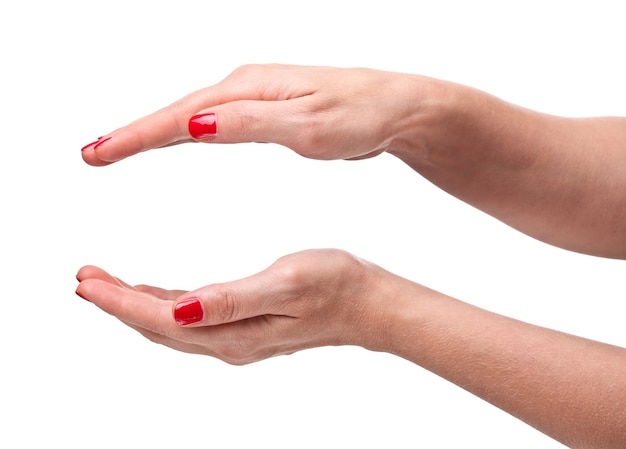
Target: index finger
131, 306
170, 125
162, 128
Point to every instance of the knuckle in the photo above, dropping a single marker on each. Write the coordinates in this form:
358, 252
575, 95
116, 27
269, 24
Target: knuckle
245, 71
239, 351
223, 305
246, 121
178, 114
310, 135
247, 344
236, 354
288, 273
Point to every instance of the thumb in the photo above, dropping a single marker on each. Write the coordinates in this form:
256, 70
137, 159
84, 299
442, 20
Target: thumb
243, 121
229, 302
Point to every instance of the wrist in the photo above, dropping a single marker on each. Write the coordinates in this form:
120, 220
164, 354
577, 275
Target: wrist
429, 108
392, 318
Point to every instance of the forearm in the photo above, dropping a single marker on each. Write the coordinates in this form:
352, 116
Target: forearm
570, 388
560, 180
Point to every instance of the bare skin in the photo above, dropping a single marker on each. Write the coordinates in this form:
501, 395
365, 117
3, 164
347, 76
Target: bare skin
554, 178
557, 179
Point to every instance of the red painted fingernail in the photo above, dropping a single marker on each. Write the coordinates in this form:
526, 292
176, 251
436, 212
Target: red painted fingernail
86, 147
203, 126
188, 312
95, 144
100, 142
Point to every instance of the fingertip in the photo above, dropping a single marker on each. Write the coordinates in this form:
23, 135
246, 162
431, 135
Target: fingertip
90, 146
85, 289
83, 272
162, 128
91, 155
88, 268
100, 291
80, 294
92, 272
111, 148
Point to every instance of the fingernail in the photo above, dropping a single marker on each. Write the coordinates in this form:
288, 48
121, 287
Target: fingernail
203, 126
81, 296
94, 145
188, 312
101, 142
87, 147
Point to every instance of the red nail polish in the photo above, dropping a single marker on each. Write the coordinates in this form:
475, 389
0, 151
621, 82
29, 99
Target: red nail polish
203, 126
100, 142
95, 144
188, 312
89, 145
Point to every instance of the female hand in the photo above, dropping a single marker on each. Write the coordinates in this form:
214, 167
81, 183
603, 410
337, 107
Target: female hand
328, 297
319, 112
308, 299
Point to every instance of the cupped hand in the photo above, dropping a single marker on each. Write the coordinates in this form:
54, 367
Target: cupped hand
319, 112
308, 299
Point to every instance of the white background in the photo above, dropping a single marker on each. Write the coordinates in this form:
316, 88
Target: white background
73, 376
